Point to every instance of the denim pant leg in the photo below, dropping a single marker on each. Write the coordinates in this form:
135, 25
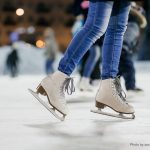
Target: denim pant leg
127, 70
95, 26
49, 66
114, 39
90, 62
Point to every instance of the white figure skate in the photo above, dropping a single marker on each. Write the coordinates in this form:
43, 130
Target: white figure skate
85, 85
53, 88
110, 94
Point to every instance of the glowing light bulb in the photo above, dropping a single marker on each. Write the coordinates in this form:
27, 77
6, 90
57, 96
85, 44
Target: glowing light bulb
40, 44
20, 12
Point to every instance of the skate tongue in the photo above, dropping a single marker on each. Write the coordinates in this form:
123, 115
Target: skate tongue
68, 86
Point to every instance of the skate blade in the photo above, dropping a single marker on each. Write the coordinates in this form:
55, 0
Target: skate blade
52, 110
122, 116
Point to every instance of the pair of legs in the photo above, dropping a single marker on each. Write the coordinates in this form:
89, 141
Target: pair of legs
109, 17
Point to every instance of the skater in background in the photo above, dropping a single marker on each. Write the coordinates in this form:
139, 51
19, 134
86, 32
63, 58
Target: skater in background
90, 59
137, 21
51, 50
103, 16
12, 62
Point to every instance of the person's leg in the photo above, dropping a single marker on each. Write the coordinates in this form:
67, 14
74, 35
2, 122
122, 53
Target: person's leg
13, 71
113, 41
110, 92
88, 68
54, 85
50, 66
47, 66
128, 73
128, 70
90, 62
95, 26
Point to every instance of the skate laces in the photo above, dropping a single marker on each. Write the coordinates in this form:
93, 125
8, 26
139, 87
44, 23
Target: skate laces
68, 86
119, 89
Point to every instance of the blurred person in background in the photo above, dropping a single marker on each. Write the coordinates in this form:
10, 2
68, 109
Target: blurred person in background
103, 16
14, 37
90, 59
144, 53
12, 61
51, 49
137, 21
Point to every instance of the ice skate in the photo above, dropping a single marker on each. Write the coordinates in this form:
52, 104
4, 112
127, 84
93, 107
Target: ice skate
110, 94
53, 87
85, 85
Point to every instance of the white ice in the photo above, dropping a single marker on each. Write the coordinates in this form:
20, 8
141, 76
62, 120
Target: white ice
26, 125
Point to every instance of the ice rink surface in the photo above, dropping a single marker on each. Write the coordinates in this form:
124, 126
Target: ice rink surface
26, 125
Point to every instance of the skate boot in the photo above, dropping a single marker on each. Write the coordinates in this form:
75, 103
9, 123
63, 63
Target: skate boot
54, 87
110, 94
85, 84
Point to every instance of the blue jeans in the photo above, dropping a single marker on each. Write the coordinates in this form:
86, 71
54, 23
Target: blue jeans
109, 17
127, 70
91, 61
49, 66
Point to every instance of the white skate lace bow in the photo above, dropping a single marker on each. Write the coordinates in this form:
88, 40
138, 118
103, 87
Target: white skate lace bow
68, 86
119, 89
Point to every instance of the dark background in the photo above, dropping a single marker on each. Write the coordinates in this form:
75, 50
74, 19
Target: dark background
57, 14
